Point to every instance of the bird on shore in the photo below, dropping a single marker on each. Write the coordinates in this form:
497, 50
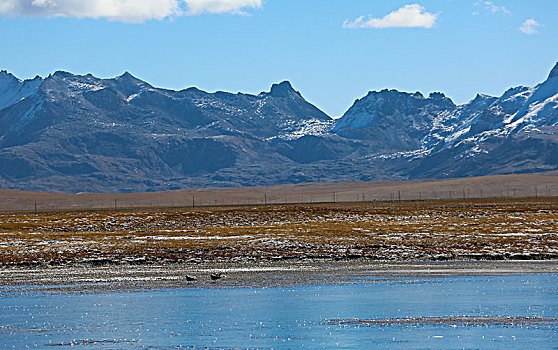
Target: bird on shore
216, 276
190, 278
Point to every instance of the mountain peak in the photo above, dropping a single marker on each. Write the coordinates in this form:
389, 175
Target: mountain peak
13, 90
126, 75
554, 72
282, 89
63, 74
482, 98
128, 78
437, 95
6, 74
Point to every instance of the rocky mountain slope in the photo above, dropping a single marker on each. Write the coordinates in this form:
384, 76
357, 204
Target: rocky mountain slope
74, 133
431, 137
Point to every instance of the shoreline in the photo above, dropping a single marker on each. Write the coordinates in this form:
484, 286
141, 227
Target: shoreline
129, 278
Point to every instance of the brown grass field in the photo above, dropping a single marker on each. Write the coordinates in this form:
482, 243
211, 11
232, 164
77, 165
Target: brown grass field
426, 230
502, 186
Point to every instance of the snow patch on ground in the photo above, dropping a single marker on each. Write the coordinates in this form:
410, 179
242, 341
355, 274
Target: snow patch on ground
310, 127
77, 87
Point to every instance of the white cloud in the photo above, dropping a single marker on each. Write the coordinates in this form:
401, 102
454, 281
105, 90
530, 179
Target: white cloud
196, 7
117, 10
530, 26
122, 10
408, 16
493, 8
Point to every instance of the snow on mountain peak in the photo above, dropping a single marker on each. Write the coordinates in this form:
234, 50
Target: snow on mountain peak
13, 90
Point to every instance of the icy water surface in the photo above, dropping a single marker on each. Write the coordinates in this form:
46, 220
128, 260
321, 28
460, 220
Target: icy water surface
290, 318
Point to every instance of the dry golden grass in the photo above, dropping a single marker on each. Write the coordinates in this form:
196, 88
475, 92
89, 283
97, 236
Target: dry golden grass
507, 186
419, 230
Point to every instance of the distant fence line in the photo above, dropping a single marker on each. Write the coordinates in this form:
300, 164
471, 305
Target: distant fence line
188, 199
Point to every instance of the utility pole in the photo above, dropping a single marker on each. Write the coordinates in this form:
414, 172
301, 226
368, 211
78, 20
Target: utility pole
265, 198
193, 201
115, 203
35, 207
399, 196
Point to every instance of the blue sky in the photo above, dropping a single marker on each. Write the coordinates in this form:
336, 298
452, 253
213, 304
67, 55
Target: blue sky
459, 47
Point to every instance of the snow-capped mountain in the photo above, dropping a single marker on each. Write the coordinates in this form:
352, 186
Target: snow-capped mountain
77, 133
394, 121
432, 137
411, 121
68, 132
13, 90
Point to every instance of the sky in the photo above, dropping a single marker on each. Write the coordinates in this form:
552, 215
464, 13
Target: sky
332, 51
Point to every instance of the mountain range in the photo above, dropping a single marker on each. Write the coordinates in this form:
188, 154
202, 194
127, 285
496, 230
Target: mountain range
74, 133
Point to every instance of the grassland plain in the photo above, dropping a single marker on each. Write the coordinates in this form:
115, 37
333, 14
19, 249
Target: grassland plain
276, 237
487, 229
497, 186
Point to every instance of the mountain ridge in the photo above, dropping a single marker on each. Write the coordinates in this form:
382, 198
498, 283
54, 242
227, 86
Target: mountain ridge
74, 133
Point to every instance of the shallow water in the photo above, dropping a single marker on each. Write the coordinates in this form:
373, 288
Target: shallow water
287, 317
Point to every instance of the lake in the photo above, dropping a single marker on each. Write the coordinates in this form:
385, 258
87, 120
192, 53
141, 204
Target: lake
292, 318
